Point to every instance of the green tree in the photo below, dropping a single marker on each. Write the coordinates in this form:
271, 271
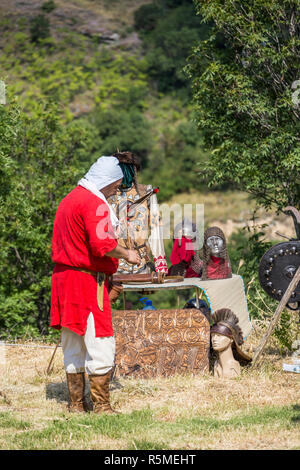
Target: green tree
38, 168
243, 78
39, 28
169, 30
48, 6
173, 166
121, 129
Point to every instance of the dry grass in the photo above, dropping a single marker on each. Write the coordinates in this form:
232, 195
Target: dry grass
112, 10
258, 410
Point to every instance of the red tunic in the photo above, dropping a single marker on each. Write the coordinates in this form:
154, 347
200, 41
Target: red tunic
76, 243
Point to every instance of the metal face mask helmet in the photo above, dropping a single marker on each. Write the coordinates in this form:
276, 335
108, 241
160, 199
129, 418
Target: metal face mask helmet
215, 244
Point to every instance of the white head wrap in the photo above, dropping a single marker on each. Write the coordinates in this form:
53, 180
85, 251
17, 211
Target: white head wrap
105, 171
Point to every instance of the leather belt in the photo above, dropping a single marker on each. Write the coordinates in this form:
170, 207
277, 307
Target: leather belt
100, 277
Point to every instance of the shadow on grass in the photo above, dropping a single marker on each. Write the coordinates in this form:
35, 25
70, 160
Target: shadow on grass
296, 418
57, 391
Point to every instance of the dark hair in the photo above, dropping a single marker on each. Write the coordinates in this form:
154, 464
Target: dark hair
129, 158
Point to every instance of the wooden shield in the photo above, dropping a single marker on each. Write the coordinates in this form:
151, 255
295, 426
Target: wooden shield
153, 343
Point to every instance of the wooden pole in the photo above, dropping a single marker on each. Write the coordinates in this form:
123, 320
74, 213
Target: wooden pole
198, 296
293, 284
52, 357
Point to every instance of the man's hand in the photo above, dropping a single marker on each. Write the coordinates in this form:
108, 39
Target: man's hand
132, 257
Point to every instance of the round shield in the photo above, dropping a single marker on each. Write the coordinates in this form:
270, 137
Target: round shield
278, 267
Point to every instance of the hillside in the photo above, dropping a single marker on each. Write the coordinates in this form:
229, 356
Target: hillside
83, 79
98, 18
95, 61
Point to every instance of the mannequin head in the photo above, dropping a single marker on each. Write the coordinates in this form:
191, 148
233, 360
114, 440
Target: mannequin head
130, 165
220, 342
226, 338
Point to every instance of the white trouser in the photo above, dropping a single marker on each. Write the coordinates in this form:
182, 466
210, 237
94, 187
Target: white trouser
89, 354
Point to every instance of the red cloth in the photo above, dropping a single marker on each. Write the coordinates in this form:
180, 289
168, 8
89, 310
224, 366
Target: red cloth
216, 268
182, 253
191, 273
75, 243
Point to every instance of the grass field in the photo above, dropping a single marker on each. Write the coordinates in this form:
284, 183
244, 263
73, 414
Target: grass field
258, 410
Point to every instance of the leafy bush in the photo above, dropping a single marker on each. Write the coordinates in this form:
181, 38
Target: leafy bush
39, 28
146, 17
48, 6
39, 167
105, 101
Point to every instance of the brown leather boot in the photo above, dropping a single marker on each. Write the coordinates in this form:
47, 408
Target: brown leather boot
76, 385
99, 386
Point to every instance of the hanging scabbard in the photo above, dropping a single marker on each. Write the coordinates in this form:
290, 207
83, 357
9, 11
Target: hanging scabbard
100, 289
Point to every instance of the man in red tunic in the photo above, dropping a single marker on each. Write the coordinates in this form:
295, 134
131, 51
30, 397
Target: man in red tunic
85, 251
